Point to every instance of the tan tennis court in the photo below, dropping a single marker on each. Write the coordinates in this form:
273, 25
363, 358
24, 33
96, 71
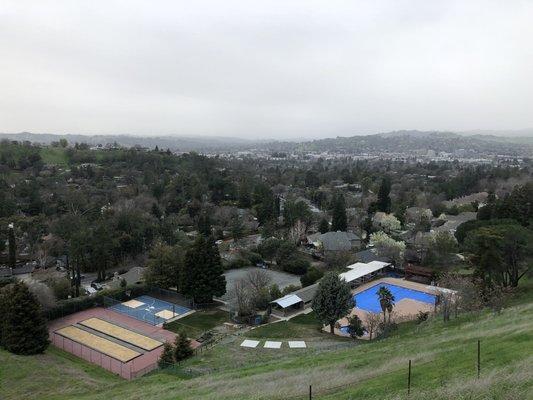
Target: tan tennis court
136, 339
133, 303
102, 345
165, 314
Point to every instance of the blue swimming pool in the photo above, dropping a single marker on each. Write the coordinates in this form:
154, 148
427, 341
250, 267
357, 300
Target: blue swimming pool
368, 299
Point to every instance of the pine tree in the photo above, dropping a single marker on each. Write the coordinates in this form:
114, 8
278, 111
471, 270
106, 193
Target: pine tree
23, 326
166, 358
12, 247
164, 266
324, 226
339, 221
204, 224
203, 276
384, 201
182, 349
333, 299
245, 197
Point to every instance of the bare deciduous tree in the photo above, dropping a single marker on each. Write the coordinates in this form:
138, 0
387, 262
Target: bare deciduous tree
258, 279
372, 322
243, 298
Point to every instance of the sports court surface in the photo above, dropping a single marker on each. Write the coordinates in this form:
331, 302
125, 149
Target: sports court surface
115, 341
150, 310
118, 332
98, 343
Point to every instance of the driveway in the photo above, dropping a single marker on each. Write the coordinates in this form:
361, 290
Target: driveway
282, 279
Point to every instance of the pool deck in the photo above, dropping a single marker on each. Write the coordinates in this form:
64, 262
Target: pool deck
398, 282
404, 310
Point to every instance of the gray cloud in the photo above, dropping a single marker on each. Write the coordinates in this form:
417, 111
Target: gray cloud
264, 69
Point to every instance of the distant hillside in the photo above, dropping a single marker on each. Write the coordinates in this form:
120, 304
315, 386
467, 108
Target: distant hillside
416, 142
175, 143
405, 142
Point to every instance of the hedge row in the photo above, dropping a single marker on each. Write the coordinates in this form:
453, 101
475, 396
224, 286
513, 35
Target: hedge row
71, 306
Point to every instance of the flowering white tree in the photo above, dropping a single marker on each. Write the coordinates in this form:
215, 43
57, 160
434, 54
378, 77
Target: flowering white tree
389, 223
388, 247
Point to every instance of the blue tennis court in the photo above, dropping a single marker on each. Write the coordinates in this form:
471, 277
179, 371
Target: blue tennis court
368, 299
149, 309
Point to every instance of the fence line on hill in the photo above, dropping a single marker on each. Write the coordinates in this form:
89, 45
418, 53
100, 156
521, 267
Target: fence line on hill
310, 393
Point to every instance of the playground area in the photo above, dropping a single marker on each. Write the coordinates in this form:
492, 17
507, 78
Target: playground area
122, 344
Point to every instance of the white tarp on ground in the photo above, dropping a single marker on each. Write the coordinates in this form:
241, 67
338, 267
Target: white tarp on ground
297, 344
288, 300
272, 345
250, 343
358, 270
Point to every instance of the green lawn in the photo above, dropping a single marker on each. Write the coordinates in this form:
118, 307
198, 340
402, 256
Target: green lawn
198, 322
54, 155
443, 356
301, 326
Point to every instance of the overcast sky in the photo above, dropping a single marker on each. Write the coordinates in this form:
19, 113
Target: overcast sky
264, 69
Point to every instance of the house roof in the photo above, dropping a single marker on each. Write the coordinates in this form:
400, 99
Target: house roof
337, 241
454, 221
307, 293
368, 255
358, 270
134, 275
288, 300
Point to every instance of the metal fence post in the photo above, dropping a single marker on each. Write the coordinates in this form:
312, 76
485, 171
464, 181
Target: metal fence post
409, 380
478, 358
310, 392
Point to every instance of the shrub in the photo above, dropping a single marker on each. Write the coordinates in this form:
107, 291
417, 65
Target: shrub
167, 356
275, 292
422, 316
311, 276
295, 265
61, 287
70, 306
183, 349
289, 289
238, 263
23, 328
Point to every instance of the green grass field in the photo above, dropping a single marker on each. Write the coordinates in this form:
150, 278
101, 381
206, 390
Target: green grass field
443, 356
198, 322
297, 327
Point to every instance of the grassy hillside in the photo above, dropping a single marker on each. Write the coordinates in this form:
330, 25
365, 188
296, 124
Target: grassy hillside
444, 367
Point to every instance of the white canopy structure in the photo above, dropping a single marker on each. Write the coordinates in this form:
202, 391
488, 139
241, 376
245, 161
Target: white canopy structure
288, 300
359, 270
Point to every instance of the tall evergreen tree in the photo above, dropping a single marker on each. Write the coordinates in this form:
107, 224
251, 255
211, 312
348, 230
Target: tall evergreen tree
323, 227
12, 260
204, 224
384, 201
164, 267
339, 221
166, 358
333, 299
182, 348
245, 196
203, 277
23, 326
